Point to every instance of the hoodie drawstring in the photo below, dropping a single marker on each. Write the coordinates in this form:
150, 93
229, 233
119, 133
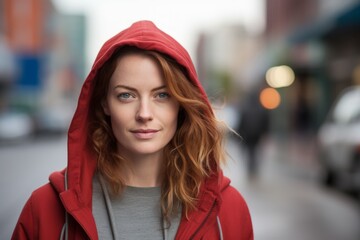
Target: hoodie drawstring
219, 227
108, 207
64, 230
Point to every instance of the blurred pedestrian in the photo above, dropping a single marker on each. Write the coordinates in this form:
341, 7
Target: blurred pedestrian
253, 125
144, 153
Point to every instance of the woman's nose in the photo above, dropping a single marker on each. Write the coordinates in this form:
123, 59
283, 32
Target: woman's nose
144, 112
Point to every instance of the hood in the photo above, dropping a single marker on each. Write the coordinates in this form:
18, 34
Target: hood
81, 160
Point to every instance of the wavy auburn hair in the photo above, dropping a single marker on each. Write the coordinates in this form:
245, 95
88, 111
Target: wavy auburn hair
194, 153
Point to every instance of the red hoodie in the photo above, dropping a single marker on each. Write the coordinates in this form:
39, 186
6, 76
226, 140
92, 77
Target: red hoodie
43, 216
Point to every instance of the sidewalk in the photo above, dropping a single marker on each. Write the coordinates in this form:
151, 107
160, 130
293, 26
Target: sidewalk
286, 202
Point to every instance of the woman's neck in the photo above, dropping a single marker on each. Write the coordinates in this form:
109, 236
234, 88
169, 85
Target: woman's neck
144, 171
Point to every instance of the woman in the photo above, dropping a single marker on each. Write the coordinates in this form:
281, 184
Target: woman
144, 153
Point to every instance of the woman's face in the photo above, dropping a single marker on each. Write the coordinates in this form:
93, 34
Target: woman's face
143, 114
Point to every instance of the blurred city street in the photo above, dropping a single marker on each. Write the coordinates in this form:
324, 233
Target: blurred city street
285, 201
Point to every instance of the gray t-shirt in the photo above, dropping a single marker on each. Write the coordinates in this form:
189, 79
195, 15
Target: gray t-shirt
136, 214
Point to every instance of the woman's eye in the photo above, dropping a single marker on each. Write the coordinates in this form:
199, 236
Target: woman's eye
124, 96
163, 95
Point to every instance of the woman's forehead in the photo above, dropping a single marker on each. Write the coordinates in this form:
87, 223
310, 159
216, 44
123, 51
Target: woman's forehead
138, 71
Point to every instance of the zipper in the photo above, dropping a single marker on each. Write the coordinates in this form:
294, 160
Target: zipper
203, 222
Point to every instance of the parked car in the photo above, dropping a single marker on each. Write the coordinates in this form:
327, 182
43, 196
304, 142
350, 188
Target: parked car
54, 119
15, 126
339, 142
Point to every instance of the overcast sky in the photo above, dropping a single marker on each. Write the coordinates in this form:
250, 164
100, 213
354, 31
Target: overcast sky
181, 19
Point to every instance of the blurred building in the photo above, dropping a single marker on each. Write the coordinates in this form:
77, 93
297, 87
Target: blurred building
318, 40
27, 29
223, 54
48, 48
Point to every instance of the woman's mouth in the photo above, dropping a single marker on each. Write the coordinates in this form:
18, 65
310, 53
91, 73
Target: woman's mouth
144, 133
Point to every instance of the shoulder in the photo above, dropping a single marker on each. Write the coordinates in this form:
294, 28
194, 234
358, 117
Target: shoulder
230, 195
233, 202
49, 193
43, 208
234, 215
43, 200
45, 194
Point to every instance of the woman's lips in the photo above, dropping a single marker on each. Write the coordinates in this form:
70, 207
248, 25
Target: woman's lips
144, 133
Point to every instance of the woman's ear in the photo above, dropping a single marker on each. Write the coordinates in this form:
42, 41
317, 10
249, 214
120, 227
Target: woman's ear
105, 107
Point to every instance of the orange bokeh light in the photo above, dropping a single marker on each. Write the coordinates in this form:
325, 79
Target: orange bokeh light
270, 98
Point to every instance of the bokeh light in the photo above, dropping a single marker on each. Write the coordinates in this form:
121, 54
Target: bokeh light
280, 76
270, 98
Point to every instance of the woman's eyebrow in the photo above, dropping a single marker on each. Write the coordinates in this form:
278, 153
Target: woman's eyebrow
134, 89
158, 88
126, 87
